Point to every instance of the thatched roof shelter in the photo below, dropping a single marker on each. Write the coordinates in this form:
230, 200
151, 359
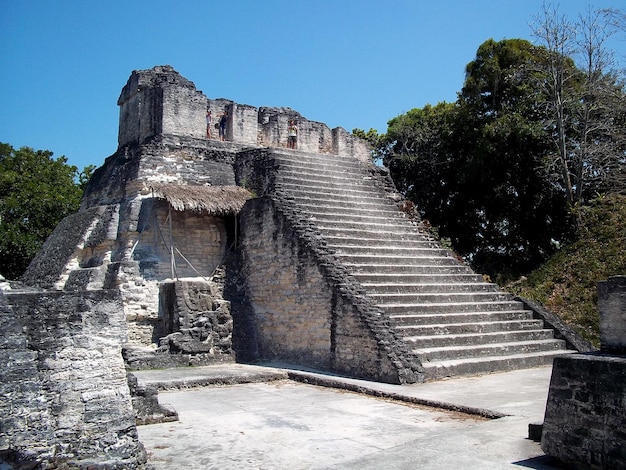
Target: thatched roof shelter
214, 200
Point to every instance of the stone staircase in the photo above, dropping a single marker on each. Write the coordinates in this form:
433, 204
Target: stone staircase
453, 320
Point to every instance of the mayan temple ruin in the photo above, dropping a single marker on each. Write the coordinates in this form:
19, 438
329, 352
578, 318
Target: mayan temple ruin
192, 250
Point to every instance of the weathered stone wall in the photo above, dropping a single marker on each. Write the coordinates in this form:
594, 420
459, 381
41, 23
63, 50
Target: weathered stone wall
64, 396
160, 101
244, 129
344, 143
140, 300
199, 242
585, 421
292, 302
612, 304
195, 320
183, 112
312, 136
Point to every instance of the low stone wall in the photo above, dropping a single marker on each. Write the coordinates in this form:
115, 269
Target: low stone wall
64, 396
585, 421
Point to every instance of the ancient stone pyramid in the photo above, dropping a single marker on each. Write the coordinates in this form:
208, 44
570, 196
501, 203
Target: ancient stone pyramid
243, 249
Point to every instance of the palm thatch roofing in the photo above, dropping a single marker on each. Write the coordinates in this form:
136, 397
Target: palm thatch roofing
214, 200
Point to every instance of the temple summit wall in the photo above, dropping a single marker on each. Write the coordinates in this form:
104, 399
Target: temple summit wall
159, 101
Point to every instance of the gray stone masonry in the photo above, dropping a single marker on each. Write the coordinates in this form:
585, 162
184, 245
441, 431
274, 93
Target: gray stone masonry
612, 305
64, 396
308, 309
585, 418
159, 101
196, 319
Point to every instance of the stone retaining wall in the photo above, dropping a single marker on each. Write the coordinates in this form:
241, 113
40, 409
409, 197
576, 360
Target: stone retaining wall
64, 396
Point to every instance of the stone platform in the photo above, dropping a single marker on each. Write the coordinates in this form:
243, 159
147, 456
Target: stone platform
287, 422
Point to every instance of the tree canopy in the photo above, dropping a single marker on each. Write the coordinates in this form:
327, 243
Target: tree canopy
36, 193
501, 171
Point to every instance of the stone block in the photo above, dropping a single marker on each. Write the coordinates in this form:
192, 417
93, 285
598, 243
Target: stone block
73, 394
612, 307
586, 414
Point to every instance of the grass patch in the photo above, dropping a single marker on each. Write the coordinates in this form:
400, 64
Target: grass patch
567, 283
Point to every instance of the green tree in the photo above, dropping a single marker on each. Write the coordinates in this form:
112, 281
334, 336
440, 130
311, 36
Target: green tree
474, 168
419, 150
36, 192
518, 219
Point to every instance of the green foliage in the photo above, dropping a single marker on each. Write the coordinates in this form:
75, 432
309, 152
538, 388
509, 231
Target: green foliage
566, 283
36, 192
475, 168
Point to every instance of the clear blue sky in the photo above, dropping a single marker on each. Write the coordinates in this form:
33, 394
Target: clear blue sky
348, 63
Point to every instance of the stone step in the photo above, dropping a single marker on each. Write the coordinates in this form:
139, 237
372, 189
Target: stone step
419, 241
325, 183
354, 215
373, 233
469, 317
336, 188
469, 339
396, 225
303, 156
322, 200
395, 298
86, 278
325, 175
356, 210
358, 269
329, 192
392, 232
469, 366
297, 157
388, 251
428, 355
467, 326
428, 288
450, 307
418, 278
391, 260
313, 176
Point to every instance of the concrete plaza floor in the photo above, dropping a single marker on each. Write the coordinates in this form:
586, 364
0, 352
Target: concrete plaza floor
277, 417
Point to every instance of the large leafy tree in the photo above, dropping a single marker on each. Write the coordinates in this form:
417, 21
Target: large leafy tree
517, 219
474, 167
36, 192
